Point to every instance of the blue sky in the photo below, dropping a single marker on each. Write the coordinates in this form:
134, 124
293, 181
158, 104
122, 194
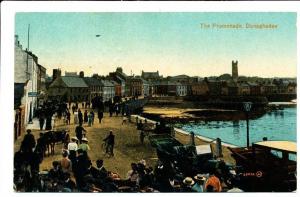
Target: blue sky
173, 43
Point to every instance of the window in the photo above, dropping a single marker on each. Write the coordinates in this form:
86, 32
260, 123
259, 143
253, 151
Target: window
292, 157
276, 153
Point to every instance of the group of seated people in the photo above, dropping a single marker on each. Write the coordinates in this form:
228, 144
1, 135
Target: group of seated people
83, 176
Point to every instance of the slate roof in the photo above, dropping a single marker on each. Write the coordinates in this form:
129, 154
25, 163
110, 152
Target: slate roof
121, 74
106, 83
74, 82
91, 81
120, 79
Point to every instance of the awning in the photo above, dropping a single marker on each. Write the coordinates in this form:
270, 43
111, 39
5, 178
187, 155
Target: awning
279, 145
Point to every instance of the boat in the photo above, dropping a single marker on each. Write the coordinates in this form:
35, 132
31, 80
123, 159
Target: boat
267, 166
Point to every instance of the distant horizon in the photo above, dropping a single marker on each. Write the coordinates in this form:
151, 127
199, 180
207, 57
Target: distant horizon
174, 43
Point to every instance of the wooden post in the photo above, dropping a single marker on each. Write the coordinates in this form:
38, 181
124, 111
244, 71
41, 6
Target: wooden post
219, 147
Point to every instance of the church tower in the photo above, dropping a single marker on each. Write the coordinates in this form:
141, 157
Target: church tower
235, 74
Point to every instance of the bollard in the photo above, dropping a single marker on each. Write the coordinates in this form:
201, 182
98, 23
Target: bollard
192, 140
172, 132
265, 139
219, 147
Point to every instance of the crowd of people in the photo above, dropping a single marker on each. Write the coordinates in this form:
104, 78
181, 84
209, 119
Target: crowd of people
76, 172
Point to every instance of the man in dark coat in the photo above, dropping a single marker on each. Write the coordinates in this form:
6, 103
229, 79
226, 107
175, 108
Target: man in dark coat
80, 117
85, 116
42, 120
100, 115
81, 168
35, 161
68, 117
41, 146
28, 142
79, 132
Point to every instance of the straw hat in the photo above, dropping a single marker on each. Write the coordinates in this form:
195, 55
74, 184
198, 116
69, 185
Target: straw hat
188, 181
74, 138
199, 177
84, 139
43, 172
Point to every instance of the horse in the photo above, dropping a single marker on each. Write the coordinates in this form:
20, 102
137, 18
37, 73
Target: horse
52, 137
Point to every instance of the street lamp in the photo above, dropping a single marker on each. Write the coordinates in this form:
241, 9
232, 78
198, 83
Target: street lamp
247, 107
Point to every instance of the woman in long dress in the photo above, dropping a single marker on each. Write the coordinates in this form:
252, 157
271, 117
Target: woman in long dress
76, 117
90, 119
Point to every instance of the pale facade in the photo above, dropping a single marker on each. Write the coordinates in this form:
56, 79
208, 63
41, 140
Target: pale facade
26, 71
181, 89
108, 90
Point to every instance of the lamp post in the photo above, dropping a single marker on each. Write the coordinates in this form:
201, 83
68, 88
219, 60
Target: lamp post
247, 107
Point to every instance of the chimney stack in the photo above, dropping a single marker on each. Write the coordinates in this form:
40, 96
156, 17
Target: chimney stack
56, 74
81, 74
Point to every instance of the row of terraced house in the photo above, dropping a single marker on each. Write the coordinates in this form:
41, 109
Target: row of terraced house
75, 87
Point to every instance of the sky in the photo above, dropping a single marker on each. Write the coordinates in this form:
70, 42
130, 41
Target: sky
172, 43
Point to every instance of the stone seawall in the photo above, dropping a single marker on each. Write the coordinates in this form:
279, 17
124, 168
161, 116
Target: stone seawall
137, 118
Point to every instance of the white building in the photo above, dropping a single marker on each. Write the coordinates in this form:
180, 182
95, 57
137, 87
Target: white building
26, 72
181, 89
108, 90
146, 88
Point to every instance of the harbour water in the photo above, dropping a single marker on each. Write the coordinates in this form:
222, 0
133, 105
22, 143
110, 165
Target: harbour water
275, 125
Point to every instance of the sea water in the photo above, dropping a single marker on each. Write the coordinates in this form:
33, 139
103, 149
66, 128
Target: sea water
275, 125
